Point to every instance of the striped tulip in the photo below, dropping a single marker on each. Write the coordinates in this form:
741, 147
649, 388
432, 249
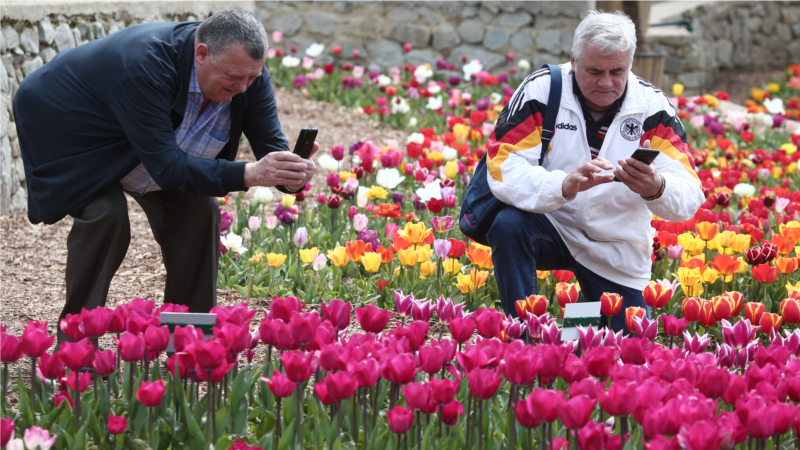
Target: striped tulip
707, 317
790, 311
630, 313
723, 307
534, 304
753, 312
566, 293
738, 300
656, 295
610, 304
691, 308
770, 322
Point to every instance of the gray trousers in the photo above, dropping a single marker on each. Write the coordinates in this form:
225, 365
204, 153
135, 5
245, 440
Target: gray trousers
186, 227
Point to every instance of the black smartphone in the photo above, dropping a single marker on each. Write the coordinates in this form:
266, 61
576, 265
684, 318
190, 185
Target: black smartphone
305, 142
645, 155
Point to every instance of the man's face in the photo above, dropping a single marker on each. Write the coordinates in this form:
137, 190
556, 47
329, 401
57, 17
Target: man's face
232, 72
601, 78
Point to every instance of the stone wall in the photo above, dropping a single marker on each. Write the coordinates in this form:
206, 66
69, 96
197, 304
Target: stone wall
538, 31
31, 34
731, 35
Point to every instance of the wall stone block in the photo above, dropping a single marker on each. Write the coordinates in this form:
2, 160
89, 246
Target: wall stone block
29, 40
47, 34
495, 38
471, 31
416, 35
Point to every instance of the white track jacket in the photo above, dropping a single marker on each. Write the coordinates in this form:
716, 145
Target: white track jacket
607, 228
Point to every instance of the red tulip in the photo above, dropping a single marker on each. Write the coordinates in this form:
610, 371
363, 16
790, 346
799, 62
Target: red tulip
78, 380
451, 412
95, 321
620, 399
131, 347
183, 336
76, 355
303, 327
632, 350
400, 369
51, 367
156, 339
520, 368
35, 340
236, 338
151, 393
372, 319
280, 385
417, 395
367, 371
338, 313
10, 348
545, 404
400, 419
282, 308
490, 323
599, 361
6, 431
117, 425
342, 385
104, 362
298, 365
576, 411
208, 354
72, 326
461, 329
592, 437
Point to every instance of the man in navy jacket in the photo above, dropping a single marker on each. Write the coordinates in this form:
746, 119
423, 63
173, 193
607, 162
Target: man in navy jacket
154, 110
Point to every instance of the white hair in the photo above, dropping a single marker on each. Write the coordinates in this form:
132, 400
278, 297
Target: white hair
609, 32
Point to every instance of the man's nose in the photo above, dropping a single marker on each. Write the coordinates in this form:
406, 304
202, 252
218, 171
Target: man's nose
605, 81
239, 87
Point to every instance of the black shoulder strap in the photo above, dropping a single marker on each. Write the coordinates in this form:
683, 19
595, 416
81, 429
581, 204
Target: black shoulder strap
553, 105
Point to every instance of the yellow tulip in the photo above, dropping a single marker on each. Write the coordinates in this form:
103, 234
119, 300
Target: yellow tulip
758, 94
791, 168
371, 261
743, 268
792, 287
307, 255
677, 89
451, 266
714, 244
542, 274
789, 148
689, 277
424, 253
451, 169
461, 132
686, 257
344, 175
408, 257
338, 256
376, 192
415, 233
288, 200
275, 259
740, 243
777, 172
773, 88
691, 244
427, 268
472, 281
726, 238
436, 156
710, 276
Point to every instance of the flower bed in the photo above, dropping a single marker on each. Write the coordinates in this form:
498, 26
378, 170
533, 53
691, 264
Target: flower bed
716, 365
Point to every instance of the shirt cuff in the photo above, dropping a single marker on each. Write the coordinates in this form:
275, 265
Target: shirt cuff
286, 190
233, 176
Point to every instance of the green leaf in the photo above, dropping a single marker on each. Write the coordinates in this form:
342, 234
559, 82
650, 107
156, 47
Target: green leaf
25, 406
287, 437
191, 423
94, 427
79, 443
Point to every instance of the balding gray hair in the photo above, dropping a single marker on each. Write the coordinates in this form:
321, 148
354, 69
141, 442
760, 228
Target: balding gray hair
231, 27
609, 32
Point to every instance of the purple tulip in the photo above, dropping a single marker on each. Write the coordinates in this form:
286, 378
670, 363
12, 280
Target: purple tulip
646, 328
441, 247
738, 336
695, 343
446, 311
225, 220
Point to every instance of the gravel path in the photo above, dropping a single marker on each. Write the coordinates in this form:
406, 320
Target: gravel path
33, 257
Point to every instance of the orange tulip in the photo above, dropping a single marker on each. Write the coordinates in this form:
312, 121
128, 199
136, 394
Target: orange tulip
723, 307
657, 295
706, 231
691, 308
790, 311
480, 255
763, 273
770, 322
387, 254
355, 250
753, 312
566, 293
785, 243
610, 304
542, 274
534, 304
726, 265
738, 299
707, 317
785, 265
630, 313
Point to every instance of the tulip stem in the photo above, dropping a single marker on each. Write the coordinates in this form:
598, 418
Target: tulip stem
338, 419
33, 383
77, 402
298, 394
365, 419
146, 368
5, 389
209, 399
441, 412
480, 424
469, 412
150, 423
355, 420
623, 428
130, 371
280, 424
419, 431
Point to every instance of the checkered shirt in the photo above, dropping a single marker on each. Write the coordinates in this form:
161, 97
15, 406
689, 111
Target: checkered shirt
201, 135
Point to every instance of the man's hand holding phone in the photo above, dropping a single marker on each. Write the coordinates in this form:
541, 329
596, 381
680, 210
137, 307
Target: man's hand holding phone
285, 168
641, 178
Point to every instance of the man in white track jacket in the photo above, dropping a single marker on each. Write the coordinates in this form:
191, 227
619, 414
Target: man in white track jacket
569, 213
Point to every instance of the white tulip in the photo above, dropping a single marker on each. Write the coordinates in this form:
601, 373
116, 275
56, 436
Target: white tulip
471, 68
327, 162
315, 50
744, 190
496, 98
416, 138
449, 153
263, 195
290, 61
430, 191
233, 243
774, 105
434, 103
389, 178
400, 106
383, 81
412, 122
423, 71
524, 65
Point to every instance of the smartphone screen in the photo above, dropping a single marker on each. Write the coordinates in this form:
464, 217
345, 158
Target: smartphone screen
305, 142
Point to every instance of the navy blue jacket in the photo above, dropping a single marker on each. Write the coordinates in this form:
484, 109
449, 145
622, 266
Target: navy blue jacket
93, 113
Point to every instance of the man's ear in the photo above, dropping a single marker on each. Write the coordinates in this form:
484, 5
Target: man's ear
201, 53
572, 60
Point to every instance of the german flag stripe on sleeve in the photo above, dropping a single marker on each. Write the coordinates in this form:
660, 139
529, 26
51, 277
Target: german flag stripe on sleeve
667, 135
523, 131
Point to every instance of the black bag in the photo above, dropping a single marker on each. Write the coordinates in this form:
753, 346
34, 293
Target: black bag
480, 206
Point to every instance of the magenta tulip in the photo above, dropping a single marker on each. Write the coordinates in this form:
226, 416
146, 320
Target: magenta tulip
217, 374
208, 354
236, 338
401, 369
545, 404
280, 385
119, 317
443, 391
592, 437
337, 312
342, 385
520, 368
131, 347
632, 350
10, 348
95, 321
78, 380
72, 326
712, 381
524, 413
117, 425
151, 393
104, 362
156, 339
35, 340
461, 329
137, 322
451, 412
599, 360
298, 365
372, 319
6, 431
431, 359
303, 327
620, 399
51, 367
183, 336
400, 419
417, 395
367, 372
77, 355
576, 411
282, 308
490, 323
699, 436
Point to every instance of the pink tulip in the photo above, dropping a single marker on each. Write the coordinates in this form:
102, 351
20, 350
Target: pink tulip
6, 431
95, 321
400, 419
303, 327
36, 437
399, 369
417, 395
156, 339
372, 319
117, 425
77, 355
35, 340
545, 404
217, 374
51, 367
576, 411
282, 308
699, 436
234, 337
131, 347
104, 362
298, 365
337, 312
10, 348
183, 336
483, 383
620, 399
208, 354
367, 372
490, 323
72, 326
150, 394
342, 385
461, 329
280, 385
78, 380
